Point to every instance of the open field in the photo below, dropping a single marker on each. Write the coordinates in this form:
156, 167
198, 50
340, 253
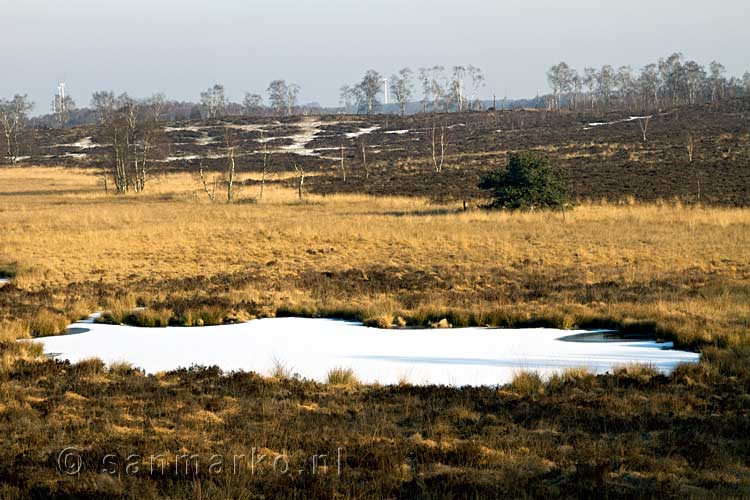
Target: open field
76, 250
680, 271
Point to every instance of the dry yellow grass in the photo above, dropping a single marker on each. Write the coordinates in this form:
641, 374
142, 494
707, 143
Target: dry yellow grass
60, 228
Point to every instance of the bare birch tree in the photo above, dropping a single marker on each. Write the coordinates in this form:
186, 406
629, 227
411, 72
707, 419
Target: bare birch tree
643, 123
401, 88
13, 121
300, 180
363, 149
438, 149
690, 145
477, 82
213, 101
231, 148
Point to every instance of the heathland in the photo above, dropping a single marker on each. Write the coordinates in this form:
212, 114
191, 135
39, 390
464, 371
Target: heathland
658, 242
678, 270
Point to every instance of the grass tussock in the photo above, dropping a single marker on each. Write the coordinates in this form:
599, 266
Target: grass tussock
342, 377
527, 383
280, 370
11, 330
46, 323
122, 368
90, 366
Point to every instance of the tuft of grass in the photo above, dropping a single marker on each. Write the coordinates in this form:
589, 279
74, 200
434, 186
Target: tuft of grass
47, 323
117, 309
527, 383
90, 366
149, 318
576, 377
280, 370
384, 322
207, 315
342, 377
636, 373
121, 368
13, 330
12, 351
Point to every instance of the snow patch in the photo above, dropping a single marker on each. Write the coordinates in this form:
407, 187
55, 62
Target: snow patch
362, 131
624, 120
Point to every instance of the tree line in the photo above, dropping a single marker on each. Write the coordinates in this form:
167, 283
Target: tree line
670, 81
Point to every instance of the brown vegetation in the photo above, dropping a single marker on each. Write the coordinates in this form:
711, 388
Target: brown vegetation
681, 272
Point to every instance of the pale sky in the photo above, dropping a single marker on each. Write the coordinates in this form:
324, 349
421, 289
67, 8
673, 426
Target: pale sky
180, 47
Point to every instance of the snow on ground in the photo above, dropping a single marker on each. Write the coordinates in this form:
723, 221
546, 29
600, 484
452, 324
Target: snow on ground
624, 120
397, 132
85, 143
362, 131
311, 347
191, 128
205, 139
4, 281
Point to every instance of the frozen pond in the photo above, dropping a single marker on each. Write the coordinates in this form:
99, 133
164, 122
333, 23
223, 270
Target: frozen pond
311, 347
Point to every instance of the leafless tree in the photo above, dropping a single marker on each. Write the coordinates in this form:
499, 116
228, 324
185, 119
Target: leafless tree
649, 83
717, 80
156, 104
103, 103
457, 86
559, 78
231, 148
348, 98
695, 78
425, 81
368, 90
210, 192
343, 166
477, 82
266, 162
690, 145
401, 88
300, 179
62, 105
438, 149
363, 149
605, 83
13, 119
437, 87
213, 101
589, 80
283, 96
643, 123
252, 104
133, 131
